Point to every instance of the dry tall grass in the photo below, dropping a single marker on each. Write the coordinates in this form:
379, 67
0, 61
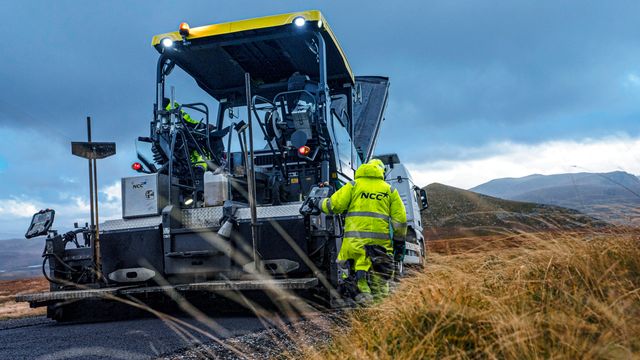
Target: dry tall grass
9, 309
556, 296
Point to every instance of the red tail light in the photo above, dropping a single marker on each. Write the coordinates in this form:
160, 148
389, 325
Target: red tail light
304, 150
136, 166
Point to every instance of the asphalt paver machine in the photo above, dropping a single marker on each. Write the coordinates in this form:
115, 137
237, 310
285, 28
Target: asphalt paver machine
217, 205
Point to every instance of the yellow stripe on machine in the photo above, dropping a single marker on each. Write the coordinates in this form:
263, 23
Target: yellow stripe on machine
254, 24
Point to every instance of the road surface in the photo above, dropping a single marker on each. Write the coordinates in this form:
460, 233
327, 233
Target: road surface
141, 338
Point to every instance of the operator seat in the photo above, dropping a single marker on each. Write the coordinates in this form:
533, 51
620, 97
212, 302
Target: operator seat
298, 82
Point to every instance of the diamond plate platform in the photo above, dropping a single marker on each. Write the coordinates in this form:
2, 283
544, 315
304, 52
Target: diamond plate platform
210, 216
206, 217
264, 212
201, 217
126, 224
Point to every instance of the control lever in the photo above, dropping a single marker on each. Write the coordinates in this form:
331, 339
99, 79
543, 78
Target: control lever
309, 208
312, 204
71, 236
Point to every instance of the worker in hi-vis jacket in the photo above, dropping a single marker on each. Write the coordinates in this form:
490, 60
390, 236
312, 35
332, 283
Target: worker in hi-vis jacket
374, 214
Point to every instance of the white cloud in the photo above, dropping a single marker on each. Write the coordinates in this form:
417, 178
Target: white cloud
113, 192
68, 180
112, 207
516, 160
16, 212
17, 208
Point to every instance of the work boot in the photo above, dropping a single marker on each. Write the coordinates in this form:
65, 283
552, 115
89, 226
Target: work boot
364, 299
379, 286
363, 286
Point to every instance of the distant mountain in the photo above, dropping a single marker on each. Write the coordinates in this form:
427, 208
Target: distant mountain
456, 212
614, 196
20, 258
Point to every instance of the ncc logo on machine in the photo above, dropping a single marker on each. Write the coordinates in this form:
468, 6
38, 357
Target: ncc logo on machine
139, 185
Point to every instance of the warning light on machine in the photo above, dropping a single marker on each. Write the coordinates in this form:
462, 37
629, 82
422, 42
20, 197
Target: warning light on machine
167, 43
304, 150
136, 166
184, 29
299, 21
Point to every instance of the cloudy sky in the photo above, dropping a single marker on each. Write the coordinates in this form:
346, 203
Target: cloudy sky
480, 89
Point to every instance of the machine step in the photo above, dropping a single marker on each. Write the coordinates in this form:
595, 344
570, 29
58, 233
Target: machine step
44, 298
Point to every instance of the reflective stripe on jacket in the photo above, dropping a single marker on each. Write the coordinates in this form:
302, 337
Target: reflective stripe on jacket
370, 205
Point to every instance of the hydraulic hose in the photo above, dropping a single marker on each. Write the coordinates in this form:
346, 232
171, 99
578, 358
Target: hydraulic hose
50, 279
44, 272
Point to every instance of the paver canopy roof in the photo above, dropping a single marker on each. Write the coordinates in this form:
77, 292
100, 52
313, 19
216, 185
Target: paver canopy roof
270, 48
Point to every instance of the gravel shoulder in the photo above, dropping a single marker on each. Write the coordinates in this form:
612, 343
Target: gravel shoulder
283, 342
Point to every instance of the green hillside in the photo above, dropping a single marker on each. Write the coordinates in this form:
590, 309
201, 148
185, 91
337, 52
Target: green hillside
456, 212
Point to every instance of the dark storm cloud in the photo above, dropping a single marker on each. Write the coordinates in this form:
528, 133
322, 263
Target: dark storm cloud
463, 74
458, 61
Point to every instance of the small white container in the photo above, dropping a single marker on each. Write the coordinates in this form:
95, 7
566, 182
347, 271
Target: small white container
215, 189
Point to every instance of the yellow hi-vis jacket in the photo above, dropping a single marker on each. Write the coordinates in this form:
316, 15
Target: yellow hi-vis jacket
370, 206
185, 115
198, 160
196, 157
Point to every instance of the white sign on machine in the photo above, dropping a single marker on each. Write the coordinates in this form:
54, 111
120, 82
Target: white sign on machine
141, 195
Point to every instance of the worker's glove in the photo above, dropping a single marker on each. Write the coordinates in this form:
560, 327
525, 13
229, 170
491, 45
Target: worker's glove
316, 203
399, 247
311, 206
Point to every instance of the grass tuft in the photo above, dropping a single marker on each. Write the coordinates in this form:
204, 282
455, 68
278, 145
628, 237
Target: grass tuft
554, 296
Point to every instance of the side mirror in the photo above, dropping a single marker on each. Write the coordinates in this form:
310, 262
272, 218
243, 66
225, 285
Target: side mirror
422, 195
40, 223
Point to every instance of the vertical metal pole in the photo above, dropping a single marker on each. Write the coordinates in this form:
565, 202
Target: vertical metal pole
322, 62
90, 174
172, 132
251, 179
93, 203
95, 199
324, 102
173, 103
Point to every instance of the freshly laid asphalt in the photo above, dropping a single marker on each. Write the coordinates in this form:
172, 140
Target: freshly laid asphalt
141, 338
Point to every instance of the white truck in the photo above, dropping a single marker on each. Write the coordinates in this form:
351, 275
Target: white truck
415, 200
